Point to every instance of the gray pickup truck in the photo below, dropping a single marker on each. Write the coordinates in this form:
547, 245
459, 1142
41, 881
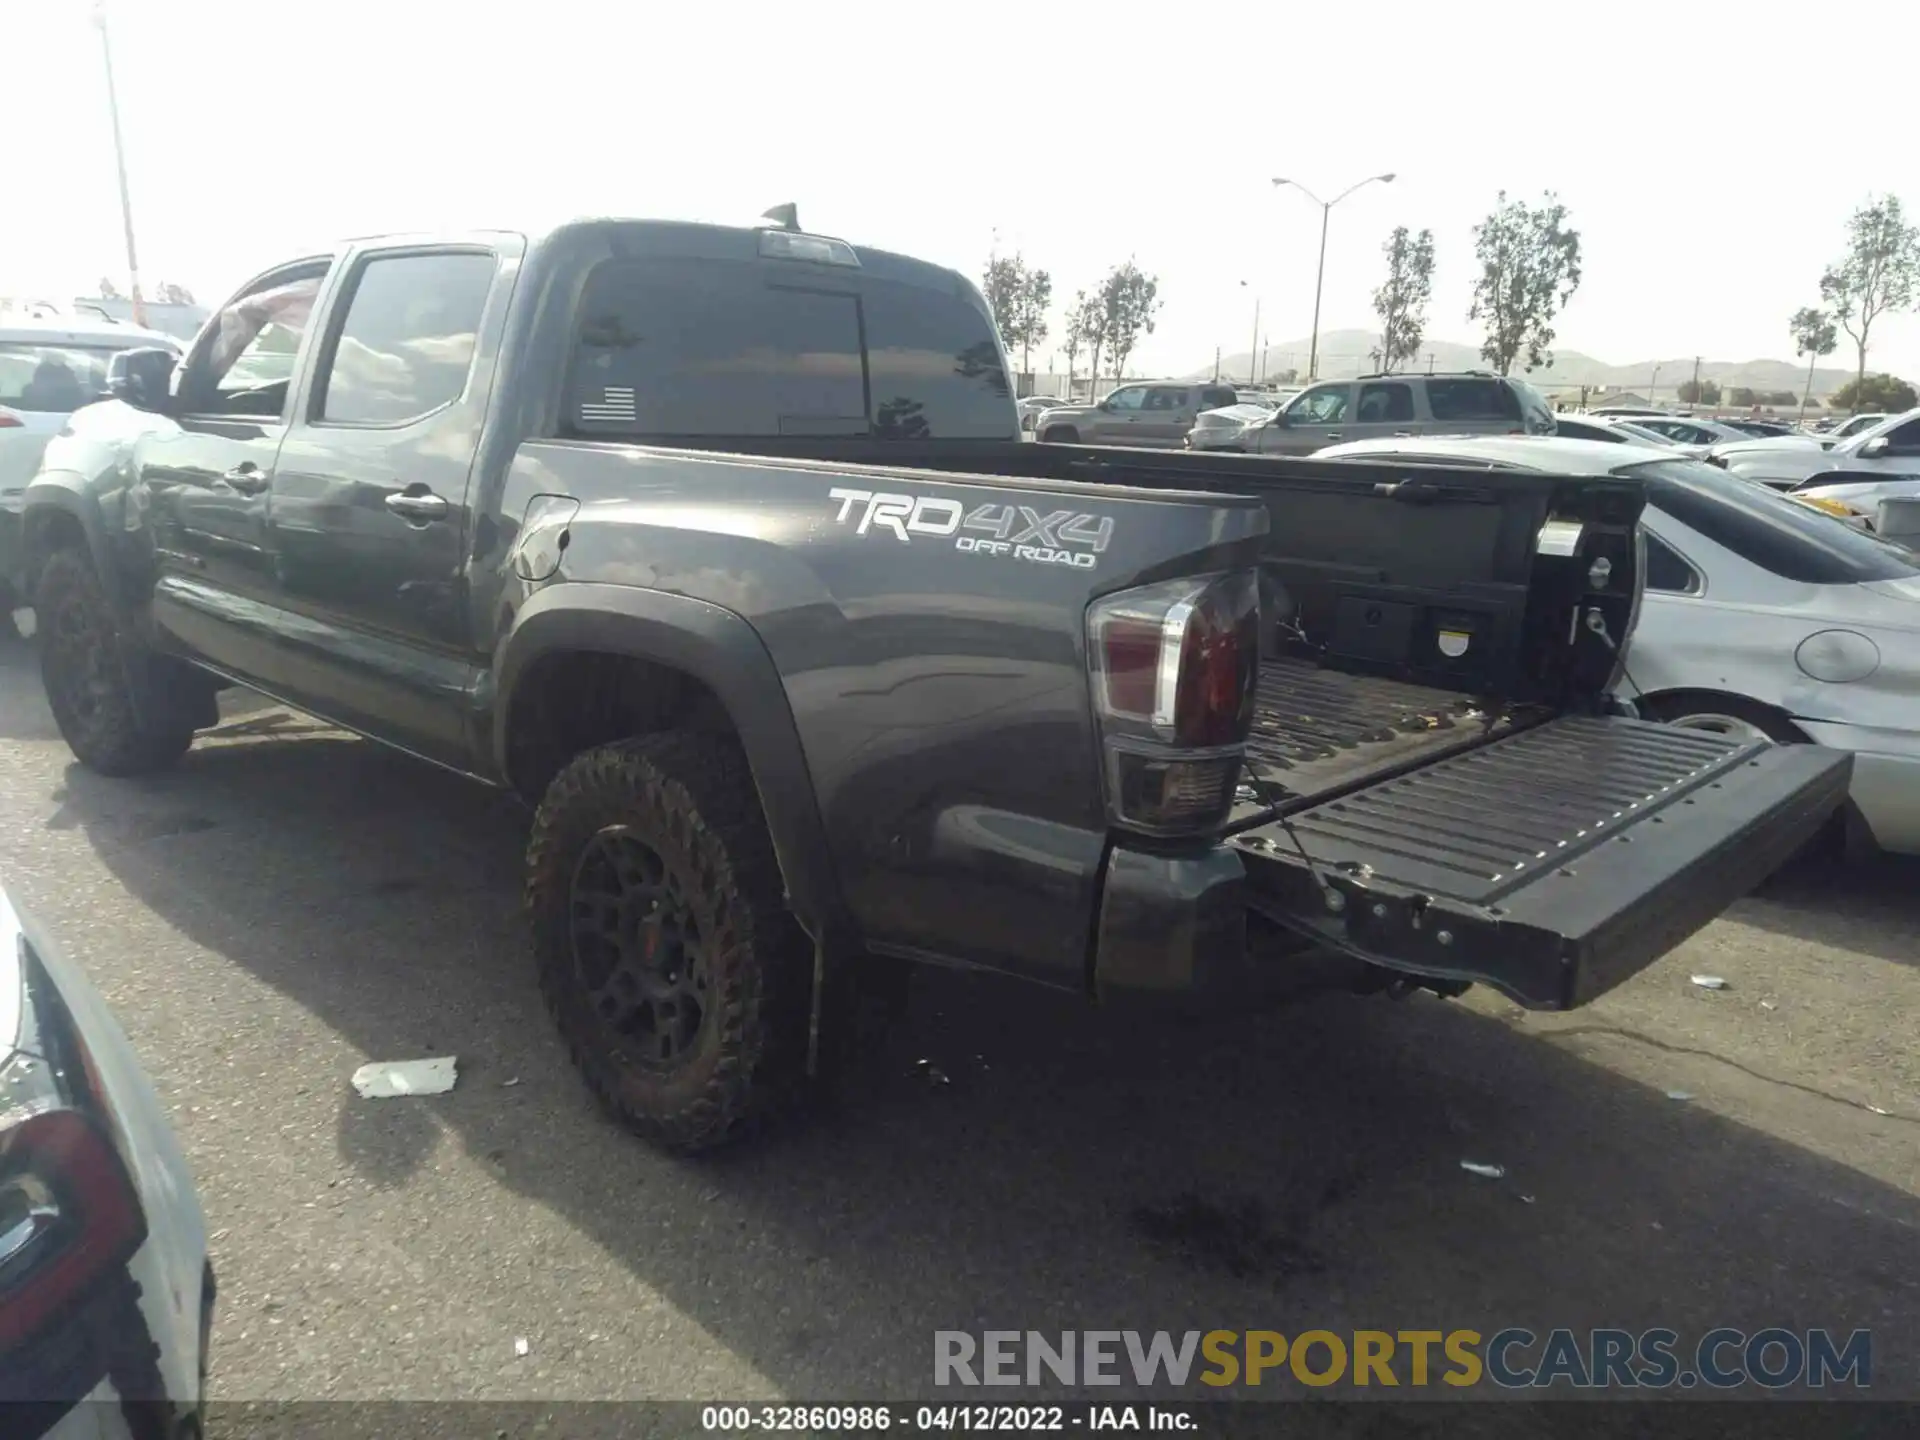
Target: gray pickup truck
721, 548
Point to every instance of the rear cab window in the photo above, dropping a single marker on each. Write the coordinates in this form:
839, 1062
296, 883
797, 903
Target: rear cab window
1217, 397
1782, 536
707, 348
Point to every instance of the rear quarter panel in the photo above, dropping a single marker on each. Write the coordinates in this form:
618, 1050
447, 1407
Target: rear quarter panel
936, 674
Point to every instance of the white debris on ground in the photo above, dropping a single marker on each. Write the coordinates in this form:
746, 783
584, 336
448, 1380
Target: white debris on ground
1485, 1172
1710, 982
389, 1079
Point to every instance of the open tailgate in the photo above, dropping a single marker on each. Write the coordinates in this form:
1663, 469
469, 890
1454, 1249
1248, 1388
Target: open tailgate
1552, 864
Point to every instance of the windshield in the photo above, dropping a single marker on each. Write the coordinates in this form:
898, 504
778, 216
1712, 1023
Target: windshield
56, 379
1793, 541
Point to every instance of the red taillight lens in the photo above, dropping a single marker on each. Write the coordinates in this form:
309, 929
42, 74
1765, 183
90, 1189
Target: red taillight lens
68, 1216
1174, 672
1178, 661
11, 421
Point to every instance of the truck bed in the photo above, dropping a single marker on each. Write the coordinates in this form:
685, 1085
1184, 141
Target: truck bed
1318, 731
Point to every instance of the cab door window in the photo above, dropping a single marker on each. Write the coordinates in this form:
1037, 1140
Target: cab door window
1385, 403
1324, 406
404, 341
245, 365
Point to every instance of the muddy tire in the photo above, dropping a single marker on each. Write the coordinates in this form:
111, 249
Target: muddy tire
668, 959
120, 710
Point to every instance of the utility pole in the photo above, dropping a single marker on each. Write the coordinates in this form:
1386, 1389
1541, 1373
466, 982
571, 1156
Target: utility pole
1696, 383
1216, 364
1253, 354
120, 164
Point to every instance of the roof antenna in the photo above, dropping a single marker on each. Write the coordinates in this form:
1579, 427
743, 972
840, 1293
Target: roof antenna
787, 216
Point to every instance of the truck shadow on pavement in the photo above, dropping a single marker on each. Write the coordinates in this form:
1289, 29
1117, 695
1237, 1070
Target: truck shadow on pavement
1011, 1159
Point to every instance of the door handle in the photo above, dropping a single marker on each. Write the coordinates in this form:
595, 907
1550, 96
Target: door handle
421, 504
246, 477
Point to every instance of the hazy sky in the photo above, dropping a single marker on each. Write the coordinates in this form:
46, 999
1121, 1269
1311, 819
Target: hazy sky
1701, 149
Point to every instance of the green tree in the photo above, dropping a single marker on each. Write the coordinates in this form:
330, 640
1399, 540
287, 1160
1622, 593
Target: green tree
1880, 272
1740, 397
1778, 397
1529, 268
1886, 393
1030, 315
1705, 392
1127, 299
1401, 302
1002, 283
1074, 333
1814, 335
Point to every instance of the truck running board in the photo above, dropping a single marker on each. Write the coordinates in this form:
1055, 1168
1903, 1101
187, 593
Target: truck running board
1552, 864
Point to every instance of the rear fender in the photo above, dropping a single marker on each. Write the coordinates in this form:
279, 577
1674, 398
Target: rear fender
722, 651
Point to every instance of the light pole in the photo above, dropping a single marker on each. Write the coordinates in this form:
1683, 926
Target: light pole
1320, 275
120, 164
1254, 353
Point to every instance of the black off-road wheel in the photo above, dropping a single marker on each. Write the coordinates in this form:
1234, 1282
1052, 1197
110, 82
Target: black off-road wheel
1061, 435
669, 961
91, 673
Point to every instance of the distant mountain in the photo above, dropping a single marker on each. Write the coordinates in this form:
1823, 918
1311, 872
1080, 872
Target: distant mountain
1344, 354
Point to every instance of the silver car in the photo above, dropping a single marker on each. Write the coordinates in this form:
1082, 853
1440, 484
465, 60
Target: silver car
1762, 617
1387, 406
1892, 444
1156, 415
1689, 434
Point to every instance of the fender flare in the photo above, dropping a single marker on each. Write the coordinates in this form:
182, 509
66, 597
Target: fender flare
44, 498
725, 653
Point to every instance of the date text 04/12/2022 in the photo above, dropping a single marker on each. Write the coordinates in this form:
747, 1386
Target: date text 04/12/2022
944, 1419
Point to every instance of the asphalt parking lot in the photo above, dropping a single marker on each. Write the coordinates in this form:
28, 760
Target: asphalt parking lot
292, 902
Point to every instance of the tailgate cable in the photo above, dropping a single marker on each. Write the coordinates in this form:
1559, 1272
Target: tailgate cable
1597, 625
1336, 902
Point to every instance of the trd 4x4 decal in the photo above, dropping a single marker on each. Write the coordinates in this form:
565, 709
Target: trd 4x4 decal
1015, 532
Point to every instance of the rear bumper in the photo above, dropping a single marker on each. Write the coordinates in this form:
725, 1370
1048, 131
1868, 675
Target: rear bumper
1553, 865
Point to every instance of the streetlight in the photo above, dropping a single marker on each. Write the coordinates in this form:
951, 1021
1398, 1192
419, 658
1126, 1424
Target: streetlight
1326, 209
1253, 354
120, 163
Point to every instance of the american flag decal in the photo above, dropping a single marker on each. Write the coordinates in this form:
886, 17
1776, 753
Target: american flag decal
615, 403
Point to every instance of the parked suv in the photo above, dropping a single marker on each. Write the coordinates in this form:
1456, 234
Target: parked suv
1157, 416
1383, 406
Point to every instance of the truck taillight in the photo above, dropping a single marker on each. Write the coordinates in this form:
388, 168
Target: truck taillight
68, 1217
1174, 669
11, 421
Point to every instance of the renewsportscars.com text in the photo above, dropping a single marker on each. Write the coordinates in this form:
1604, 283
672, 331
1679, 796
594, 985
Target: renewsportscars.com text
1513, 1358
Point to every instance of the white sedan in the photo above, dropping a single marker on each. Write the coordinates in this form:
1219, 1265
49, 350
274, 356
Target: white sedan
1761, 617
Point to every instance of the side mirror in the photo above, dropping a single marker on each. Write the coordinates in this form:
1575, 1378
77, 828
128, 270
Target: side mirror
1874, 448
1280, 419
140, 377
1106, 405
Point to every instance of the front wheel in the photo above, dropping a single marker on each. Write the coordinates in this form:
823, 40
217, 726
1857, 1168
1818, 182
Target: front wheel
1061, 435
90, 672
668, 959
